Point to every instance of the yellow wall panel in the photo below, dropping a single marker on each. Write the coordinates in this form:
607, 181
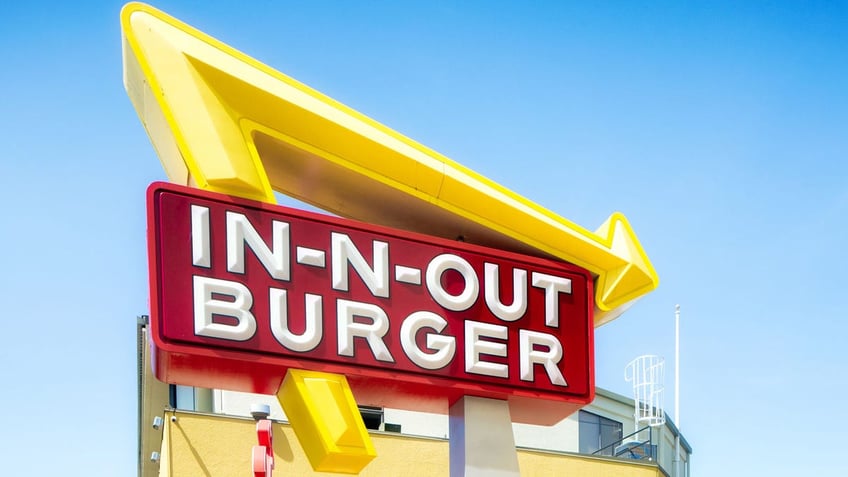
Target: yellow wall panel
207, 445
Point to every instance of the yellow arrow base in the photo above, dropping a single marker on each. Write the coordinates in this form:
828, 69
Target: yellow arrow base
326, 420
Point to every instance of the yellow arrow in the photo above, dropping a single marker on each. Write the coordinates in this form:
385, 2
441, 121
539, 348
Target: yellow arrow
225, 122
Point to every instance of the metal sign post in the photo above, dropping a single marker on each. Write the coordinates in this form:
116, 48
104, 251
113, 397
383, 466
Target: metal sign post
481, 439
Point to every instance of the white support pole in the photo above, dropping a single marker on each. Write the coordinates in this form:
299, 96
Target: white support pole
677, 390
481, 439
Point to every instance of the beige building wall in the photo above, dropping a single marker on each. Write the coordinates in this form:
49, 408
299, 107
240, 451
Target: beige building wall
561, 437
196, 441
213, 445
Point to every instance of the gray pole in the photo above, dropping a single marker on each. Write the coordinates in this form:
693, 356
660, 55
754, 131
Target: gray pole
481, 439
677, 390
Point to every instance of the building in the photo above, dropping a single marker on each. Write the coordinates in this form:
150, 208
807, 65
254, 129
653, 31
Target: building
211, 432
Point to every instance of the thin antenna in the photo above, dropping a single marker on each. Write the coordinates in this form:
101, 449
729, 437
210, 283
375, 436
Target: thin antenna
677, 366
677, 389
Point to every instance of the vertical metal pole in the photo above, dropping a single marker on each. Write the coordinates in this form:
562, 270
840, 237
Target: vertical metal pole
677, 389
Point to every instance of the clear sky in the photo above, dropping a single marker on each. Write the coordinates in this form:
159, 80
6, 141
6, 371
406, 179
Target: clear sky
719, 129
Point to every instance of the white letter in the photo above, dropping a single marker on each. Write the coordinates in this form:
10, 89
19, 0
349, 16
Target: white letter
474, 347
493, 293
552, 285
373, 333
312, 334
445, 346
200, 255
205, 306
529, 356
241, 231
344, 252
440, 265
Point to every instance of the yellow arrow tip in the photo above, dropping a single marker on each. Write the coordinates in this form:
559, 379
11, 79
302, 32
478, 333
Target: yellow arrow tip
635, 277
128, 9
171, 74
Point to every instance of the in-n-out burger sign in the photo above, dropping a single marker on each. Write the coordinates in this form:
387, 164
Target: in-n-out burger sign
241, 291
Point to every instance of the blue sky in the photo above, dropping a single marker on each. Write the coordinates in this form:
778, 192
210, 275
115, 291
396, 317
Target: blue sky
719, 129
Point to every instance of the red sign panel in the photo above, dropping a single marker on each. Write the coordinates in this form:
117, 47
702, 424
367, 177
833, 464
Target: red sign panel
241, 291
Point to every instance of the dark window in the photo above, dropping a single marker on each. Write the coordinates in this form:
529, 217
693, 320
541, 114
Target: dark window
597, 432
372, 416
172, 395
